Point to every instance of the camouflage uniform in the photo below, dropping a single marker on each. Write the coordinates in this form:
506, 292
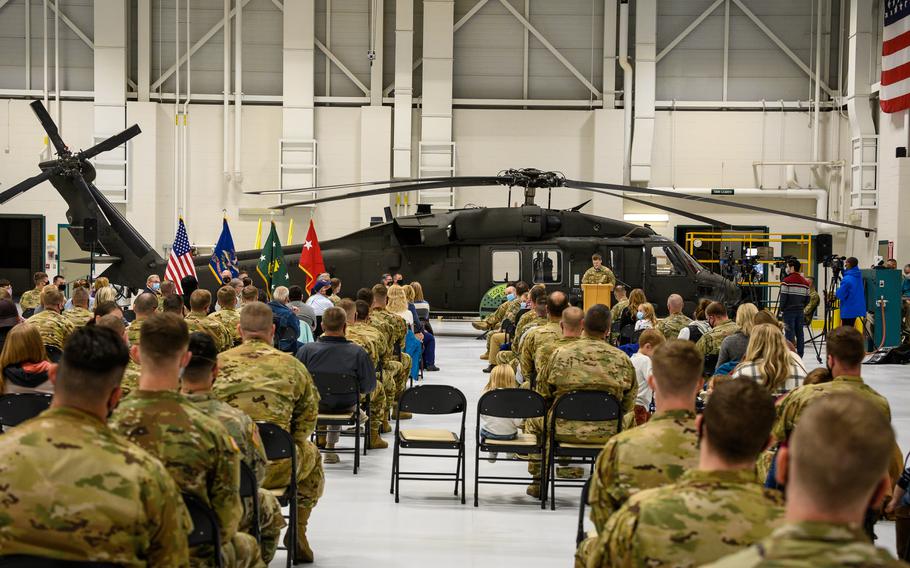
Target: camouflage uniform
222, 336
201, 457
30, 299
533, 340
272, 386
229, 318
809, 310
74, 490
544, 355
53, 327
599, 275
371, 341
493, 320
671, 325
812, 545
134, 331
78, 316
709, 343
130, 381
704, 516
335, 299
528, 321
585, 364
246, 435
615, 315
397, 367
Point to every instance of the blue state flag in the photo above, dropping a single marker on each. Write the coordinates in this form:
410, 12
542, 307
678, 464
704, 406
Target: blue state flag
224, 257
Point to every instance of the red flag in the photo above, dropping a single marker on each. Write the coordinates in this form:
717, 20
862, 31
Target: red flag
311, 258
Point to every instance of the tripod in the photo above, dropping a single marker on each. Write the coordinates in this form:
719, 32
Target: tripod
828, 296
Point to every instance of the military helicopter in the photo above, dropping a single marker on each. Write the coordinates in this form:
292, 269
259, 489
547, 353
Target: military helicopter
457, 254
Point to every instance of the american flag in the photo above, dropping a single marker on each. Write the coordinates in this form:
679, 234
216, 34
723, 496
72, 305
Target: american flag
895, 90
180, 261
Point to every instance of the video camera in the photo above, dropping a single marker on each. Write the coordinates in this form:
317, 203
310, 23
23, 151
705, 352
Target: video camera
835, 263
746, 268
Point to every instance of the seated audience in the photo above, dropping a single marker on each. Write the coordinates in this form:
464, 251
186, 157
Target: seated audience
9, 318
629, 316
105, 294
649, 340
818, 376
420, 303
188, 285
304, 312
721, 328
768, 361
227, 315
496, 427
104, 308
24, 361
53, 327
287, 326
31, 299
556, 303
676, 321
335, 292
78, 314
248, 295
198, 320
733, 347
645, 317
422, 317
84, 465
699, 326
319, 299
360, 332
398, 305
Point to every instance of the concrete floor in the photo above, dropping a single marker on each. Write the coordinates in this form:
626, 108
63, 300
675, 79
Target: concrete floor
358, 523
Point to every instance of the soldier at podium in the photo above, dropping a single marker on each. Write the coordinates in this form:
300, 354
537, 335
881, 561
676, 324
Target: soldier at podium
598, 274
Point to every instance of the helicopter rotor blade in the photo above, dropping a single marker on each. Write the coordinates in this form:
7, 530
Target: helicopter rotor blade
586, 185
449, 182
27, 184
694, 216
319, 188
48, 124
111, 143
121, 226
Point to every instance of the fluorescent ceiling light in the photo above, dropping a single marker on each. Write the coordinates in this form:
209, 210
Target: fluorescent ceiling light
646, 217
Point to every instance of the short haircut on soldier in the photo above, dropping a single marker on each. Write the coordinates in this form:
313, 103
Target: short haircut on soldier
114, 323
104, 308
738, 419
716, 309
172, 305
348, 306
597, 319
845, 344
677, 367
80, 297
539, 294
52, 297
226, 297
596, 256
650, 337
168, 288
380, 292
92, 365
145, 304
39, 276
363, 310
200, 300
839, 450
280, 294
256, 317
295, 293
557, 302
572, 318
164, 336
202, 346
333, 319
366, 295
521, 287
249, 293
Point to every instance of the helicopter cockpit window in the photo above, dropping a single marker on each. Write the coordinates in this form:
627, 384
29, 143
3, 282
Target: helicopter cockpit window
547, 265
662, 263
506, 265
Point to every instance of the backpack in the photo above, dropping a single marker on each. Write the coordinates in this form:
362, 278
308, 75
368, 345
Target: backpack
285, 339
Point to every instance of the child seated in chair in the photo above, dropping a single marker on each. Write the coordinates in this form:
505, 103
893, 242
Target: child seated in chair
649, 341
494, 427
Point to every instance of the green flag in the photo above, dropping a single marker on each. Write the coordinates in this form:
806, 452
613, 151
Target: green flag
271, 267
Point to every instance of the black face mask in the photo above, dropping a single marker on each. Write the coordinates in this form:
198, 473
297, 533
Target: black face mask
61, 287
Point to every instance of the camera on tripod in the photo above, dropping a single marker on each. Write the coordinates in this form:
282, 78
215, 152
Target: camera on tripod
746, 268
835, 263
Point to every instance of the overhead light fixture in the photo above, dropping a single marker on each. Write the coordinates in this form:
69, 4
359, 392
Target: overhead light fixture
646, 217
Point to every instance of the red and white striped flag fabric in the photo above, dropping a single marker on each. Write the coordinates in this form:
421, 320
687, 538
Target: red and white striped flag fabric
895, 91
180, 261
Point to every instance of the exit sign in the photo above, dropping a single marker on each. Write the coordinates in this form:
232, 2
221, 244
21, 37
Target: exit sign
723, 191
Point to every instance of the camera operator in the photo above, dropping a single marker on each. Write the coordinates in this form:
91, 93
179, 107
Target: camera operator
794, 295
850, 293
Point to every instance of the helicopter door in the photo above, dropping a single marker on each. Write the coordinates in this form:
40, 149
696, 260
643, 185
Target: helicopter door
546, 266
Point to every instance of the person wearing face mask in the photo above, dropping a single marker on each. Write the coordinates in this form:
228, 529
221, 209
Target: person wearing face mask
60, 283
32, 298
721, 328
73, 448
794, 295
153, 284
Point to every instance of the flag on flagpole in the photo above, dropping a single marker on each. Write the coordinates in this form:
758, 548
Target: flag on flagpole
271, 267
895, 89
180, 261
224, 256
311, 258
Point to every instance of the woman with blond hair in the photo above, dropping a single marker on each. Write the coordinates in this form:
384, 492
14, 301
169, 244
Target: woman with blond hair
398, 304
24, 361
495, 427
105, 294
769, 362
733, 347
420, 309
629, 316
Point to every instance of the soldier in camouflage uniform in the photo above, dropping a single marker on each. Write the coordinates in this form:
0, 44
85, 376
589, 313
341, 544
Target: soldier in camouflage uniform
541, 335
397, 363
168, 290
228, 316
709, 512
336, 290
621, 303
721, 327
571, 326
656, 453
197, 450
72, 489
145, 305
496, 339
79, 314
671, 325
536, 315
814, 300
493, 320
130, 382
589, 363
598, 274
196, 386
830, 478
53, 327
32, 298
198, 320
272, 386
359, 332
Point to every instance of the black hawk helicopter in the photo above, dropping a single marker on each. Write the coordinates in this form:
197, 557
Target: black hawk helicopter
457, 254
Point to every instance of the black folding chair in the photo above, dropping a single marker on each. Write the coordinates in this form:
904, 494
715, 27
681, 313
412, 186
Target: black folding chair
337, 384
16, 408
249, 489
430, 399
588, 406
28, 561
580, 535
279, 445
509, 403
205, 526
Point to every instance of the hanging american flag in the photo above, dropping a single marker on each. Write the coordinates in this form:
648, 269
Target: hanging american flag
180, 261
895, 90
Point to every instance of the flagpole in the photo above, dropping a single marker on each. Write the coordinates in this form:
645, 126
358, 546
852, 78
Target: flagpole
259, 234
290, 231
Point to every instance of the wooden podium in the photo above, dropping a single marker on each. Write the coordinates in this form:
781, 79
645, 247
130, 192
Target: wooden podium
597, 294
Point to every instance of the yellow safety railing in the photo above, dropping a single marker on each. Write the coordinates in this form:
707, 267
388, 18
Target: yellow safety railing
755, 239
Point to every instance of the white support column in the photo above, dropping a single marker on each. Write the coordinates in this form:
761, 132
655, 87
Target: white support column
404, 92
609, 63
437, 152
110, 23
376, 33
860, 70
144, 48
645, 89
298, 145
375, 147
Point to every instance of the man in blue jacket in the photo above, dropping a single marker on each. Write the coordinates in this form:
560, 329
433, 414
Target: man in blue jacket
287, 326
850, 293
